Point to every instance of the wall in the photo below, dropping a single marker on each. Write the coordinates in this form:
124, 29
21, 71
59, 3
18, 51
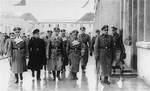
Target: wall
144, 61
108, 12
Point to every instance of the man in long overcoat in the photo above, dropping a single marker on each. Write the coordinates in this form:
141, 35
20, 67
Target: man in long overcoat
55, 52
94, 38
65, 57
37, 54
119, 49
86, 42
47, 39
74, 52
17, 54
104, 53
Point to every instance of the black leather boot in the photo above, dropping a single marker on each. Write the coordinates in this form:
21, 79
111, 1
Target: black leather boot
21, 77
106, 80
83, 68
75, 76
38, 75
54, 75
58, 75
17, 78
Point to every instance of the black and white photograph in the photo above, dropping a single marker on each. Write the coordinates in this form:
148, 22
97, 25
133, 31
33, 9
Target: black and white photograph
74, 45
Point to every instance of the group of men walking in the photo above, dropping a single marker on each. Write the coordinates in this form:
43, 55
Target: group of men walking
55, 51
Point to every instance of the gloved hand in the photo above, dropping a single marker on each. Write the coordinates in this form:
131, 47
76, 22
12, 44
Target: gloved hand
47, 57
91, 54
96, 57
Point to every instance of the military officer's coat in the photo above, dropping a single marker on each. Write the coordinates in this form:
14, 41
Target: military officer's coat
17, 53
86, 42
55, 53
74, 51
119, 48
104, 54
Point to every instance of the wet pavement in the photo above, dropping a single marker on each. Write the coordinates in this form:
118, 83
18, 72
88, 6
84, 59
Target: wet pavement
85, 82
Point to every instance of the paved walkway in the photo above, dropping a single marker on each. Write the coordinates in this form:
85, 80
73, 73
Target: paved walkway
86, 82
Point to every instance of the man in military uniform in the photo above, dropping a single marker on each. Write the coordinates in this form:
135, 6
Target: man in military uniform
47, 39
93, 40
74, 53
17, 54
55, 53
119, 49
65, 57
86, 42
103, 53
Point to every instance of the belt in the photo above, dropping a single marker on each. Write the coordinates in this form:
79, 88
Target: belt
55, 47
75, 49
105, 47
17, 48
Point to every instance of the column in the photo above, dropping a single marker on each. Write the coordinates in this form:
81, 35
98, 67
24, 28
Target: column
140, 28
134, 35
147, 21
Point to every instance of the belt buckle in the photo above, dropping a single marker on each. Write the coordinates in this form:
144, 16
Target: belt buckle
37, 49
75, 49
18, 48
106, 47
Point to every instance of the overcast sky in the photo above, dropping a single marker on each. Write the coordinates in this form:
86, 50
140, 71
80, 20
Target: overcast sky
49, 10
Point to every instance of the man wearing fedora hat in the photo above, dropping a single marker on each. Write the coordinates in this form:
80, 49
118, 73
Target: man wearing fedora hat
103, 53
37, 54
86, 42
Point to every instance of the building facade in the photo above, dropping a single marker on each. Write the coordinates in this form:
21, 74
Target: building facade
133, 16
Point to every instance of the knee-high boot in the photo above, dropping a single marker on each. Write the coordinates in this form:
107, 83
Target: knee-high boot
58, 75
17, 78
54, 75
106, 80
21, 77
75, 75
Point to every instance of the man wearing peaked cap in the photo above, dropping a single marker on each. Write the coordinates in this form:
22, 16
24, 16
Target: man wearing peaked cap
47, 39
86, 42
103, 54
65, 57
18, 55
74, 53
119, 49
55, 53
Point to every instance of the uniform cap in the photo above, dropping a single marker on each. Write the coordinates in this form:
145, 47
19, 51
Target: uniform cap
114, 28
56, 29
104, 27
82, 28
75, 31
49, 31
17, 29
97, 31
63, 30
36, 31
